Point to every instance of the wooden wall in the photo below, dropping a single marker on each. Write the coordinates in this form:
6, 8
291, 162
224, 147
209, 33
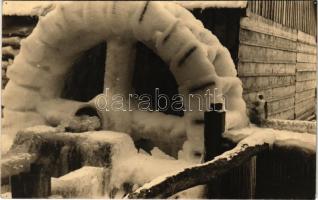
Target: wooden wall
296, 14
278, 62
305, 98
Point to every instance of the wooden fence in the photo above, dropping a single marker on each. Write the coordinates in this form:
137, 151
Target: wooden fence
297, 14
278, 62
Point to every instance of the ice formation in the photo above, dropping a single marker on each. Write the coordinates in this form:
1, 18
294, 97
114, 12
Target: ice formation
196, 58
212, 4
23, 8
283, 138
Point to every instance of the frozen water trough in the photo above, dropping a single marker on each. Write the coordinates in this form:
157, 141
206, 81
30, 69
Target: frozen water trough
211, 147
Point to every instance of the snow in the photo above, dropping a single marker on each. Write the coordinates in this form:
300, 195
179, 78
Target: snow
82, 183
299, 126
281, 138
26, 8
250, 137
48, 53
7, 195
6, 142
37, 8
140, 169
165, 131
41, 129
252, 140
156, 152
212, 4
8, 50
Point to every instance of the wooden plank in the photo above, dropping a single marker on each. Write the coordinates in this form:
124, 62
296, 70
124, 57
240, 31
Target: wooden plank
262, 25
259, 8
289, 13
306, 66
307, 19
281, 12
306, 38
251, 6
305, 48
265, 69
271, 94
297, 13
262, 83
266, 11
305, 115
281, 105
281, 114
304, 106
269, 41
283, 92
292, 16
301, 110
305, 85
265, 55
301, 96
283, 174
255, 6
313, 18
287, 114
305, 75
263, 8
306, 58
274, 11
284, 13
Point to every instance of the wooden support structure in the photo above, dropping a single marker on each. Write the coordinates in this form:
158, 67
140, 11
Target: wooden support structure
33, 184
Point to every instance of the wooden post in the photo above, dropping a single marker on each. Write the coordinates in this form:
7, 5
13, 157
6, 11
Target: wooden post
236, 183
33, 184
214, 126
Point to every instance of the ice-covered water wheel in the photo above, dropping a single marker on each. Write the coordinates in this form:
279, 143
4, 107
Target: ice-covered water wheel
196, 58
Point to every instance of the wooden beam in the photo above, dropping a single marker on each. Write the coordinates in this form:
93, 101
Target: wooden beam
198, 174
